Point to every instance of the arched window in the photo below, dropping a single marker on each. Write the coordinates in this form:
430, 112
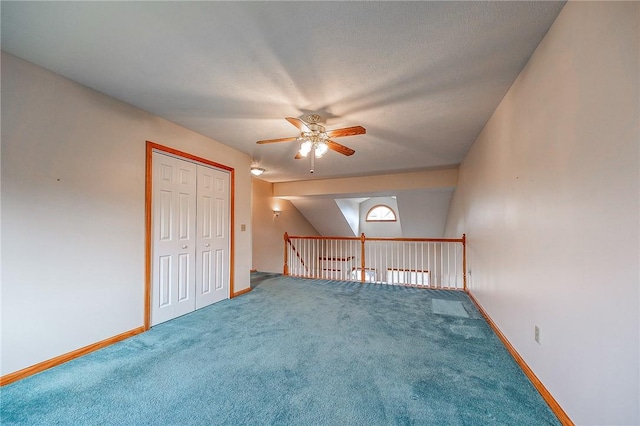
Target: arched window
381, 213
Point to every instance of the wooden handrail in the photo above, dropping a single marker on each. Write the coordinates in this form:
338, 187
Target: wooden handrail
423, 240
419, 240
315, 237
341, 259
407, 270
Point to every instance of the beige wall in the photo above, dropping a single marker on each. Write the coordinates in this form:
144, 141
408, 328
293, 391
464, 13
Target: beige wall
428, 179
73, 212
549, 199
268, 230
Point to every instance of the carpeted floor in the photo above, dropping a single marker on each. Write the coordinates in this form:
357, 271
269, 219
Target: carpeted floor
299, 352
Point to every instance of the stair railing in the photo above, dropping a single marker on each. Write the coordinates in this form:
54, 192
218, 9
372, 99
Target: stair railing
419, 262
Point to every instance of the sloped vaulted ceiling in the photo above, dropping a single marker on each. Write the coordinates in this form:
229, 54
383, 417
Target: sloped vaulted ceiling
422, 77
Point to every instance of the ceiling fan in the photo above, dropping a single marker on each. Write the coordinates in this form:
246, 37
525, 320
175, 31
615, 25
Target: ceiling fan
316, 140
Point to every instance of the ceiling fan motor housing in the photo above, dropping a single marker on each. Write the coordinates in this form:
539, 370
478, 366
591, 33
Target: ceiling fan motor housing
313, 118
317, 134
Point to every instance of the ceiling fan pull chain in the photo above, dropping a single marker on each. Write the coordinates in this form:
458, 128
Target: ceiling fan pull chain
313, 158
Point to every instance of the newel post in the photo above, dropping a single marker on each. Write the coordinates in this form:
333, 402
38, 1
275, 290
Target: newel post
464, 262
286, 261
362, 264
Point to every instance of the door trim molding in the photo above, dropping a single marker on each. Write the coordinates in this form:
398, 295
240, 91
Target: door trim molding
148, 209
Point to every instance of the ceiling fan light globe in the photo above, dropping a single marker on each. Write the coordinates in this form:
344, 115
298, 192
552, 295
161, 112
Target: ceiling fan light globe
321, 149
305, 148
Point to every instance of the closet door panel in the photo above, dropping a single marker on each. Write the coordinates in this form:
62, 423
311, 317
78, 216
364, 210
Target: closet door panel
174, 230
212, 245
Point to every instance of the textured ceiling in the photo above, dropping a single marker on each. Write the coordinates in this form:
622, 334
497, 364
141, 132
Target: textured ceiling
422, 77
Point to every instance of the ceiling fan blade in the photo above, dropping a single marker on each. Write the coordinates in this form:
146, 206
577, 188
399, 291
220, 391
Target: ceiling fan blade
301, 125
335, 146
347, 131
277, 140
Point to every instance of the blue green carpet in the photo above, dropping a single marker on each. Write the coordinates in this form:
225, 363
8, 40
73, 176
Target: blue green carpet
295, 352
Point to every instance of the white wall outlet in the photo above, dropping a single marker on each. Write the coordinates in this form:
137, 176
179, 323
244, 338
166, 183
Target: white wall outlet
536, 335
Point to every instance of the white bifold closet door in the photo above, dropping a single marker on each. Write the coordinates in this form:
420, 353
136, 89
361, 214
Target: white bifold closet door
190, 257
212, 236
